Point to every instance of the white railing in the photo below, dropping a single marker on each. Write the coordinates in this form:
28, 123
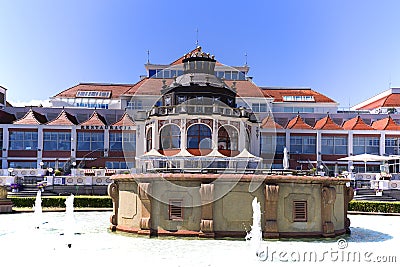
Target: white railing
23, 172
77, 180
7, 180
385, 184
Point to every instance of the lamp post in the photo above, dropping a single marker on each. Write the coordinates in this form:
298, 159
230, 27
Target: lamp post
41, 164
10, 171
73, 167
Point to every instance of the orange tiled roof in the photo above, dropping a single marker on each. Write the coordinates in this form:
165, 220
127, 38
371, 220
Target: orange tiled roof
326, 124
245, 88
125, 120
116, 89
297, 123
148, 86
356, 124
386, 124
278, 93
392, 100
95, 120
64, 118
269, 123
31, 117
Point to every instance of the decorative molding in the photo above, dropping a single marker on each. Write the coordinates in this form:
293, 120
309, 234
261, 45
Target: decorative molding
144, 191
328, 197
207, 200
348, 196
271, 211
113, 192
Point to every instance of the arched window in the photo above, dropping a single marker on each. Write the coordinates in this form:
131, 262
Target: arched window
227, 138
199, 136
170, 137
149, 137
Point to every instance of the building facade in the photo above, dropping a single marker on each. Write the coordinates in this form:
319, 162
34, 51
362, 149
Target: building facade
90, 124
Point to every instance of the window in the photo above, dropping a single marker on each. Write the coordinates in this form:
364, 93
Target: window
94, 94
199, 136
175, 209
122, 141
367, 144
299, 211
259, 107
270, 142
135, 104
149, 138
298, 110
23, 140
334, 145
92, 105
392, 145
22, 164
228, 138
57, 141
302, 144
90, 141
299, 98
116, 165
170, 137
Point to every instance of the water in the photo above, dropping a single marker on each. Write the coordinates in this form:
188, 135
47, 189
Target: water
38, 210
97, 246
69, 222
255, 234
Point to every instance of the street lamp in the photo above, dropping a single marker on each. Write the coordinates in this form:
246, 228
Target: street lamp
73, 164
351, 168
10, 170
41, 164
50, 170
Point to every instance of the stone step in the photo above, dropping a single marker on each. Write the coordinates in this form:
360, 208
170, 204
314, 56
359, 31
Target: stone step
374, 198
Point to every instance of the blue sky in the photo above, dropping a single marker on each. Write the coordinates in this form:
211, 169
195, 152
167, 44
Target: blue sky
348, 50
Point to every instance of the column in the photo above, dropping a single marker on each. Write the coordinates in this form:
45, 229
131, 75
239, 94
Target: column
106, 142
39, 147
350, 148
319, 146
74, 140
214, 135
382, 144
154, 134
183, 134
242, 136
5, 148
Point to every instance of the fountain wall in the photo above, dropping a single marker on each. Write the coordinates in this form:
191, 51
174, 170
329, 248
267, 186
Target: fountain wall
211, 206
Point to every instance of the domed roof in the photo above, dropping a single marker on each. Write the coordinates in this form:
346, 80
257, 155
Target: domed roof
198, 71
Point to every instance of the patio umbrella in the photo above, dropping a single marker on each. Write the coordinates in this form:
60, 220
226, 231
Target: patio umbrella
366, 158
285, 159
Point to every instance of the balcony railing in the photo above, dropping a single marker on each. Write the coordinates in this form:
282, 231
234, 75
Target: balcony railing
200, 109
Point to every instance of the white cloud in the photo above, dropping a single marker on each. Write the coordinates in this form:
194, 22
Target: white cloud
35, 103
